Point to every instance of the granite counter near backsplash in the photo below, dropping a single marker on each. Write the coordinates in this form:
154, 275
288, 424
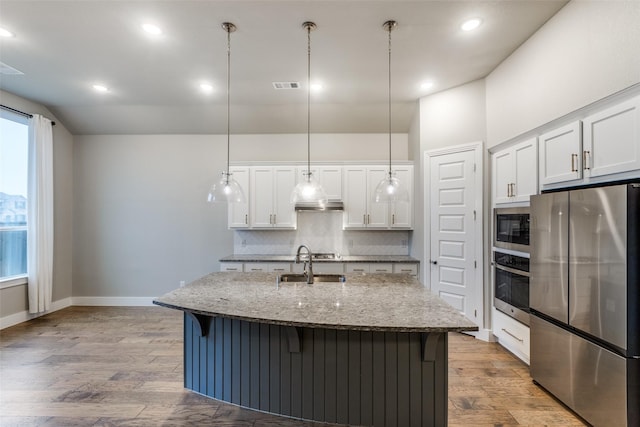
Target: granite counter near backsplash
322, 232
403, 259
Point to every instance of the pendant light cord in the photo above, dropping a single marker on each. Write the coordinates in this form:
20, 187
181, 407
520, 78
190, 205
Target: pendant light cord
390, 25
229, 28
309, 27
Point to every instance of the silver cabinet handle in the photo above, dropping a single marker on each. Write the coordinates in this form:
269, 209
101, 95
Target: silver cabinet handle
585, 159
509, 190
246, 219
364, 219
511, 335
275, 219
393, 219
368, 219
574, 161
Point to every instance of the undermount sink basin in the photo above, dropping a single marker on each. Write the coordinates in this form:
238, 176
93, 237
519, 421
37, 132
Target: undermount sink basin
317, 278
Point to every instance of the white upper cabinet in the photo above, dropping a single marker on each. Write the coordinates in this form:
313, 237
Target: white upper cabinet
561, 154
515, 173
360, 211
329, 177
402, 213
611, 142
239, 212
270, 205
603, 147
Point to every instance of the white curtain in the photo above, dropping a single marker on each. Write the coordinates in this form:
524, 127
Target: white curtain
40, 214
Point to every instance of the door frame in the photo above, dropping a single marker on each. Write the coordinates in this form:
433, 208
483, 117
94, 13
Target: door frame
478, 277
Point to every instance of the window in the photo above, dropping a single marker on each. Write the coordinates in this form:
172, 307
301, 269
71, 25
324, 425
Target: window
14, 145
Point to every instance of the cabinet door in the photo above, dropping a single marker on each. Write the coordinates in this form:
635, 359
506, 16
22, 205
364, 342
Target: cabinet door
502, 162
355, 197
239, 212
525, 156
612, 140
331, 180
261, 204
402, 212
284, 214
561, 154
377, 213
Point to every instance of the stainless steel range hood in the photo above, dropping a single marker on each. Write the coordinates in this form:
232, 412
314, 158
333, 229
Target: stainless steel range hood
331, 206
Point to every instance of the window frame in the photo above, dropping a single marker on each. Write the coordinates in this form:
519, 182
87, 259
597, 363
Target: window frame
19, 279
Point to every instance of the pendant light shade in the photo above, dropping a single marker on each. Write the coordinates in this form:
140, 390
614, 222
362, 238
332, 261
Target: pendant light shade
227, 189
390, 189
309, 191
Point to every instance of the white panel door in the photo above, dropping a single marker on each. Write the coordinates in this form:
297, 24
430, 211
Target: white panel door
453, 185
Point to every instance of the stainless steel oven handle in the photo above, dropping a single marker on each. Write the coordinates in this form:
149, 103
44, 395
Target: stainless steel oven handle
513, 270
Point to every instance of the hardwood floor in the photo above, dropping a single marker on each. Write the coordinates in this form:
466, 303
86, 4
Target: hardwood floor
122, 366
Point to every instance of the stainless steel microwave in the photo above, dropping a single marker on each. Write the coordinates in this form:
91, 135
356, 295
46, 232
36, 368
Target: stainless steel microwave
511, 229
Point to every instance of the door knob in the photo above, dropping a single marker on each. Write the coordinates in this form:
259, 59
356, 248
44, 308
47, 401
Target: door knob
434, 262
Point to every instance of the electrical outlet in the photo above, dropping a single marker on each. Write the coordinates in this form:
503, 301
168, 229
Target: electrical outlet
244, 243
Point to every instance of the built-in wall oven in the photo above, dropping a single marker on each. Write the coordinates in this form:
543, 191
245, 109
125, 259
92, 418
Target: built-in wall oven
511, 285
511, 262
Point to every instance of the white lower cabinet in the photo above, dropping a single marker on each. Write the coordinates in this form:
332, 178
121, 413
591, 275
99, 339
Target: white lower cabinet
512, 335
363, 267
267, 267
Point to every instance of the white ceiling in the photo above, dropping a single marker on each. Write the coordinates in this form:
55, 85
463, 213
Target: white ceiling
63, 47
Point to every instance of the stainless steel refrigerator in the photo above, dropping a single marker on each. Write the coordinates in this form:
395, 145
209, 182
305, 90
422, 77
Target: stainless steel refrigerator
585, 300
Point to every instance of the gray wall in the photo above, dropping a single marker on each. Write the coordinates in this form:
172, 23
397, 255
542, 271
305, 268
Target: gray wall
587, 51
14, 300
141, 220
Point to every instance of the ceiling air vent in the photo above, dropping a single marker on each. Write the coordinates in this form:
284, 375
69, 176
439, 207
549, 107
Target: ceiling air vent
286, 85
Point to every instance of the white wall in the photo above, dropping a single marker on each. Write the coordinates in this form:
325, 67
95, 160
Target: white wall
14, 300
452, 117
141, 220
587, 51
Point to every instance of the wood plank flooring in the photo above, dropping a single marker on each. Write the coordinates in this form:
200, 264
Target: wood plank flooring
122, 366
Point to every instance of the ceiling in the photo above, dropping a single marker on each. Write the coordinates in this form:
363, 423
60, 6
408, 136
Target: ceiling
64, 47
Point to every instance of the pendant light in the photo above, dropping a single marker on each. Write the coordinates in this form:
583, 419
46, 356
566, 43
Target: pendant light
227, 189
390, 189
309, 192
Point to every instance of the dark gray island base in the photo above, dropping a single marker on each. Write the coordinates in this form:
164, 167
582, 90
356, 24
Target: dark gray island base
371, 351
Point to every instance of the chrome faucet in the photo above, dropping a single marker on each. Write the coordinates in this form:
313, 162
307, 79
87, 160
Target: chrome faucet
309, 273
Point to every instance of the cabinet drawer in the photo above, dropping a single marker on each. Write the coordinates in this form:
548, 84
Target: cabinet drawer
231, 266
380, 268
357, 267
411, 269
327, 267
512, 335
254, 267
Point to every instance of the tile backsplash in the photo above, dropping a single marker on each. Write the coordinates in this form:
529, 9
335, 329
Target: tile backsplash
321, 232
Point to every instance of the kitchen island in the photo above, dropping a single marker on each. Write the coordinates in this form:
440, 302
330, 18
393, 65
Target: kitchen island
369, 351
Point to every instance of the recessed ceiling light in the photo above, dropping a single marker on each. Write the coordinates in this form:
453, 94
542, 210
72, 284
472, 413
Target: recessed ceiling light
100, 88
316, 87
426, 85
152, 29
6, 33
206, 87
471, 24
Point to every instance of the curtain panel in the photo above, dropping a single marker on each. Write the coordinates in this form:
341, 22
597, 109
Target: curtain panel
40, 214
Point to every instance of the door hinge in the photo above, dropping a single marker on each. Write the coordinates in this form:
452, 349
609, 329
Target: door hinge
474, 167
475, 313
475, 264
474, 215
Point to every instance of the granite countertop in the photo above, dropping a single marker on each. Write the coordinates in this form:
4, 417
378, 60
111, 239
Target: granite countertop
344, 258
368, 302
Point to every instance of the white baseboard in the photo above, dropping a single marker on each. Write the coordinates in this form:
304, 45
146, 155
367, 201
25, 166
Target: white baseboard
23, 316
114, 301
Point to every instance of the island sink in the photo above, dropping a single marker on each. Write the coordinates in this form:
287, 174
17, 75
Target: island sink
317, 278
